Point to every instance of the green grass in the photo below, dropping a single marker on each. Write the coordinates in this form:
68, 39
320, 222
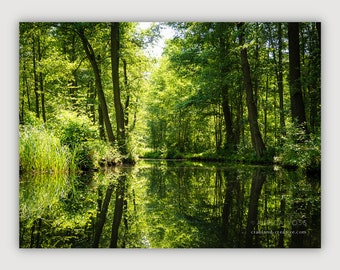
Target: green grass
40, 151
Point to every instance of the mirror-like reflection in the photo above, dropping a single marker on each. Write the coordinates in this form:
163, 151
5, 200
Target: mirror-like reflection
168, 204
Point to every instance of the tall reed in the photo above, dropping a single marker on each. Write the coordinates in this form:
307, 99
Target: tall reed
40, 151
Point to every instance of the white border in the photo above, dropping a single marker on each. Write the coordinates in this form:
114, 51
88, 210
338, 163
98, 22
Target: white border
176, 10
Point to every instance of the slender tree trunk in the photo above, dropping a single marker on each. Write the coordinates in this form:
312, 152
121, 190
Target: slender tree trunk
36, 82
41, 83
280, 82
73, 81
127, 101
230, 136
91, 56
256, 137
265, 110
101, 123
22, 96
315, 70
115, 40
279, 77
90, 103
224, 69
43, 110
22, 113
27, 88
256, 72
296, 99
239, 127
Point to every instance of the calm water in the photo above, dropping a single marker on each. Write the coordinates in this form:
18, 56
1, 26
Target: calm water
172, 204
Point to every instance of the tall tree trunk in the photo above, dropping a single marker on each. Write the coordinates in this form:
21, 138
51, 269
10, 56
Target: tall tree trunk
256, 71
279, 73
115, 40
21, 114
127, 101
73, 80
101, 123
239, 127
25, 91
36, 82
315, 82
280, 81
90, 103
256, 137
41, 84
27, 87
230, 136
296, 99
91, 56
265, 110
224, 69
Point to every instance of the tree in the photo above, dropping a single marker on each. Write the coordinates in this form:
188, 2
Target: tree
224, 70
278, 68
115, 40
296, 99
92, 58
194, 99
256, 137
36, 79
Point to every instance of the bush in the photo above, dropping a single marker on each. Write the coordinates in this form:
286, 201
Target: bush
104, 154
68, 142
77, 133
83, 157
73, 129
300, 149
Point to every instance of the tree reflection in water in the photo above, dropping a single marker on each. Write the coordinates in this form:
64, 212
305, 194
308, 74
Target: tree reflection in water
163, 204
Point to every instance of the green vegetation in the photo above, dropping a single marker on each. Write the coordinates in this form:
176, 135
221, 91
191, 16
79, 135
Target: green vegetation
93, 100
306, 155
68, 143
170, 204
41, 151
220, 91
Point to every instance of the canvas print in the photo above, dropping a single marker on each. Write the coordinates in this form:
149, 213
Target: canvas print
170, 135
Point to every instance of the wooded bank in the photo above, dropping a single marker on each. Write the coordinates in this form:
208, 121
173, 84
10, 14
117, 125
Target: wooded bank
243, 91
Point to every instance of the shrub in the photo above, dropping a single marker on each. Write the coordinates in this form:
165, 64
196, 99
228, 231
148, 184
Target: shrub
300, 149
104, 154
73, 129
77, 133
82, 156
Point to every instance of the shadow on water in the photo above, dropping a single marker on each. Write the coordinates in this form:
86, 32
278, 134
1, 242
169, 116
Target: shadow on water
164, 204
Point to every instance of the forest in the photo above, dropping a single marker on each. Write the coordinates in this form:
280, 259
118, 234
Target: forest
242, 92
92, 96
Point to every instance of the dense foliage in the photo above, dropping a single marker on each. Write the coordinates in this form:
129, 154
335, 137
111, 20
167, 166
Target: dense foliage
221, 91
92, 96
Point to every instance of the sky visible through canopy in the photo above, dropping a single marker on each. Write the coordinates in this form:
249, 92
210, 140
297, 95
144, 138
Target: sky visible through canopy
166, 33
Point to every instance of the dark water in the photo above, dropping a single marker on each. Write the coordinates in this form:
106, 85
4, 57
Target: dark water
172, 204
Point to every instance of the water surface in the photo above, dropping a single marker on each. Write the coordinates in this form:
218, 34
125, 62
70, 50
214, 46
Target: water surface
172, 204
